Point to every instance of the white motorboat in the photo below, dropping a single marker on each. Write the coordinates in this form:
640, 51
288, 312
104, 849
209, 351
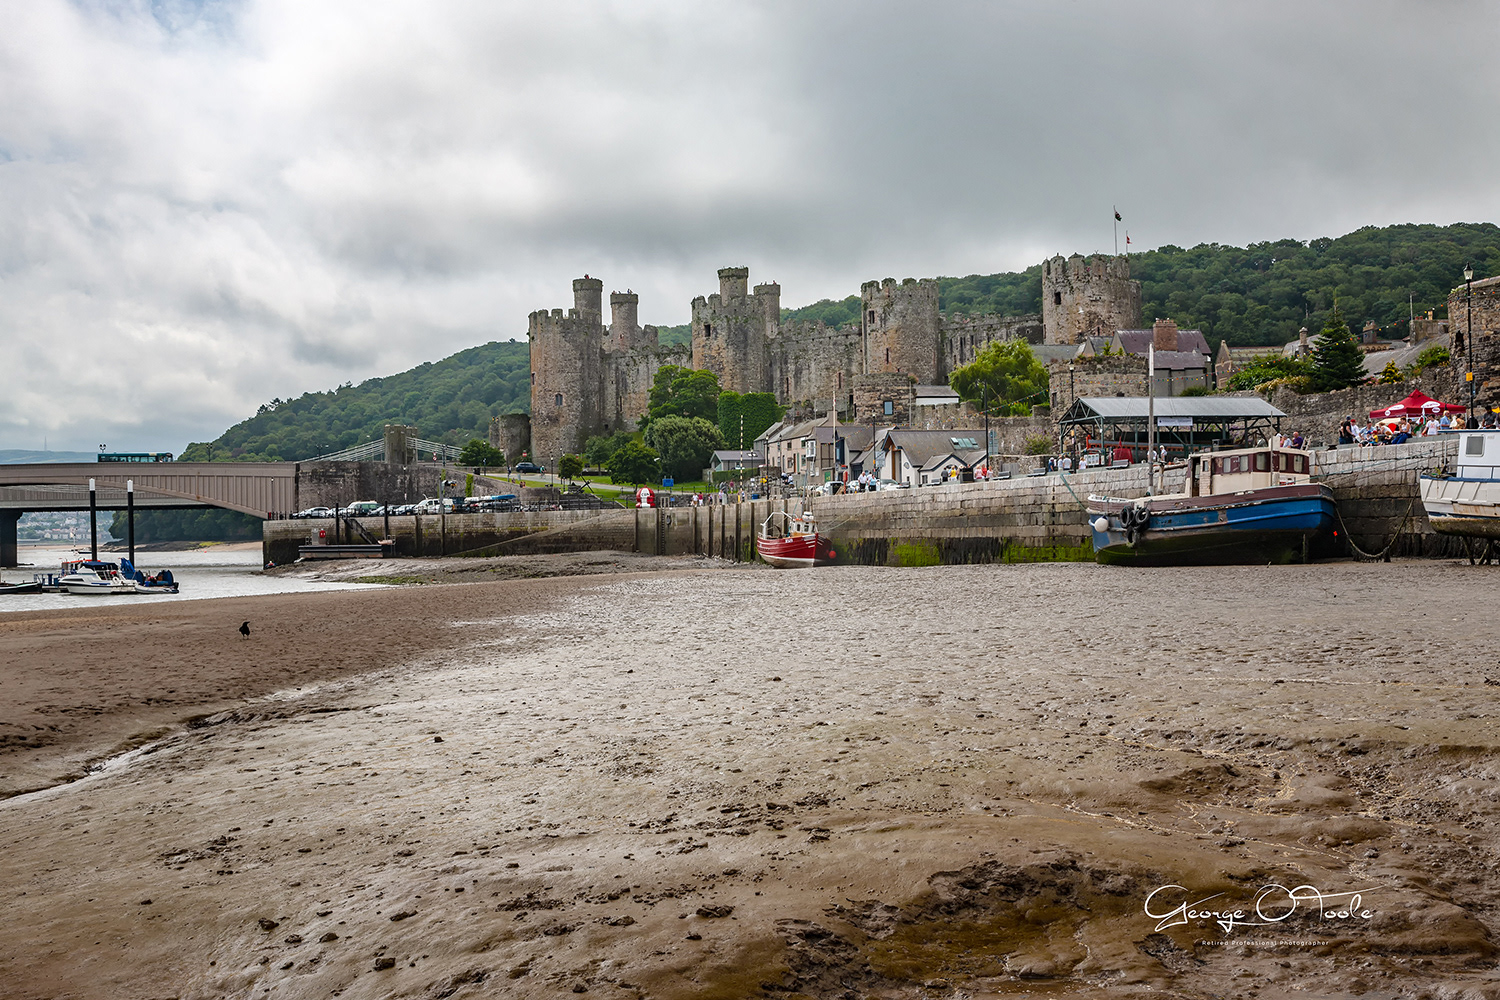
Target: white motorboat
1465, 500
93, 576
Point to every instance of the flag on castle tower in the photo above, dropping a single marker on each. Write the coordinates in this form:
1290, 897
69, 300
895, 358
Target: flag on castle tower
1117, 215
1127, 237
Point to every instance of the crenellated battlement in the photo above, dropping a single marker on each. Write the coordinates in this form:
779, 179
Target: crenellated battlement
589, 378
1088, 296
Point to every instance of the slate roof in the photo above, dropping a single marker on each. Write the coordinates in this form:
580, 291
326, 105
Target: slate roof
1136, 341
923, 447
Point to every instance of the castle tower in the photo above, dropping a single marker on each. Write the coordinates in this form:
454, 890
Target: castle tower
731, 331
902, 328
567, 373
1083, 297
625, 333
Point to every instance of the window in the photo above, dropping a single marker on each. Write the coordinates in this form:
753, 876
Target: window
707, 329
1057, 298
533, 378
1262, 461
1474, 445
838, 380
887, 355
890, 407
872, 317
559, 399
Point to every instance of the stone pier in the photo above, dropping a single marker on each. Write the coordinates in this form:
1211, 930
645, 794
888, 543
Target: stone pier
1018, 520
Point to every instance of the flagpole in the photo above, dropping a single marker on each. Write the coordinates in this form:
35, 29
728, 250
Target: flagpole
1117, 229
1150, 421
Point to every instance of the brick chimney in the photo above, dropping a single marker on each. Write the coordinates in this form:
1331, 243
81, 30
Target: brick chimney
1164, 335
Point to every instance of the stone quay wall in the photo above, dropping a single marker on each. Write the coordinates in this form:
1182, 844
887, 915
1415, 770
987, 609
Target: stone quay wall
1015, 520
491, 533
1378, 494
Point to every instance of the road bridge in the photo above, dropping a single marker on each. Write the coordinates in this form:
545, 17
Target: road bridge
261, 489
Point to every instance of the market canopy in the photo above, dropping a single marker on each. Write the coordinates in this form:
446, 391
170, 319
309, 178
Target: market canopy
1415, 405
1187, 421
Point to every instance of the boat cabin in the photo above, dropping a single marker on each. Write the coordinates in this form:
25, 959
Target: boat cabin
104, 569
1478, 455
1212, 473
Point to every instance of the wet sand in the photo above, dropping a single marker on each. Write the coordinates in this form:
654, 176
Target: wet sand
953, 781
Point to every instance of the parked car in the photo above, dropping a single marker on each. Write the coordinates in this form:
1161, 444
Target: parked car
891, 484
432, 505
529, 467
362, 508
314, 512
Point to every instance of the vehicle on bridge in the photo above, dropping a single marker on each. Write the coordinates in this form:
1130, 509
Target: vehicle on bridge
135, 456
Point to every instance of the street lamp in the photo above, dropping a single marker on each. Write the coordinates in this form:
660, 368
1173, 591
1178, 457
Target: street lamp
1469, 336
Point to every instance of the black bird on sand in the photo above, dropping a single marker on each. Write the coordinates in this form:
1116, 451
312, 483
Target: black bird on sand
245, 630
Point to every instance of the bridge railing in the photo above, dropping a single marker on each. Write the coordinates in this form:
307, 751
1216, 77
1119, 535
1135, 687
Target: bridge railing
374, 451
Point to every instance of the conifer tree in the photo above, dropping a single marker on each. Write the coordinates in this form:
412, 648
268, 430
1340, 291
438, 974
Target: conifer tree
1337, 360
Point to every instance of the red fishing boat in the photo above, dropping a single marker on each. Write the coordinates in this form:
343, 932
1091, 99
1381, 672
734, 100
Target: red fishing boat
793, 542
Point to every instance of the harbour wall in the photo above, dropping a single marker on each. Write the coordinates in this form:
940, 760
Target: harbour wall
1016, 520
494, 533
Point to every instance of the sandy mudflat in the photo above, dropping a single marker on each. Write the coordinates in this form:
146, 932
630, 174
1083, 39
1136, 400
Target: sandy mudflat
851, 782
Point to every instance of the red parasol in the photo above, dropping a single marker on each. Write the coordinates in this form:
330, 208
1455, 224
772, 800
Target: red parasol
1417, 404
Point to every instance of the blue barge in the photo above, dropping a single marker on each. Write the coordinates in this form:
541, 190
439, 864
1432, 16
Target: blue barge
1252, 505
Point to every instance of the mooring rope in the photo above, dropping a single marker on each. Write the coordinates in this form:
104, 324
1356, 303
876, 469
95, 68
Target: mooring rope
1064, 477
1360, 553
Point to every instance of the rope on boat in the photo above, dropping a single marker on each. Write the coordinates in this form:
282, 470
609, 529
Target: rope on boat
1359, 553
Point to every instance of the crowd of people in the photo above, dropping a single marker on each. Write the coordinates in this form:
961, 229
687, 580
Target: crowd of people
1374, 432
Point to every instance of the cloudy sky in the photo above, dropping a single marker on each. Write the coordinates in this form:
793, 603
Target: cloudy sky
207, 205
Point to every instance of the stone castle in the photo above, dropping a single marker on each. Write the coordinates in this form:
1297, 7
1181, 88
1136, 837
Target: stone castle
590, 378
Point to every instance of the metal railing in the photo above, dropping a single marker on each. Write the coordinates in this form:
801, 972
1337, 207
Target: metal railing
374, 451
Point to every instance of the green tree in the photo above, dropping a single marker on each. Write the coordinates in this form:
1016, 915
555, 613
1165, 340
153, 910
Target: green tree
1005, 376
570, 467
743, 418
1434, 355
1390, 374
198, 525
479, 453
597, 449
1337, 361
1268, 369
635, 464
685, 444
683, 392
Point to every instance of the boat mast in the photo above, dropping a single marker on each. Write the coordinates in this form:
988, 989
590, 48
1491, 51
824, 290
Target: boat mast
1150, 420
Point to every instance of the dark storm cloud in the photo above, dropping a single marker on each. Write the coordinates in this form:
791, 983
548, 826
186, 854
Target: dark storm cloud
208, 205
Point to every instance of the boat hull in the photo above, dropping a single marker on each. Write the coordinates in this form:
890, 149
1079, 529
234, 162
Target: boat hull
1272, 525
105, 588
1458, 506
20, 588
795, 552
